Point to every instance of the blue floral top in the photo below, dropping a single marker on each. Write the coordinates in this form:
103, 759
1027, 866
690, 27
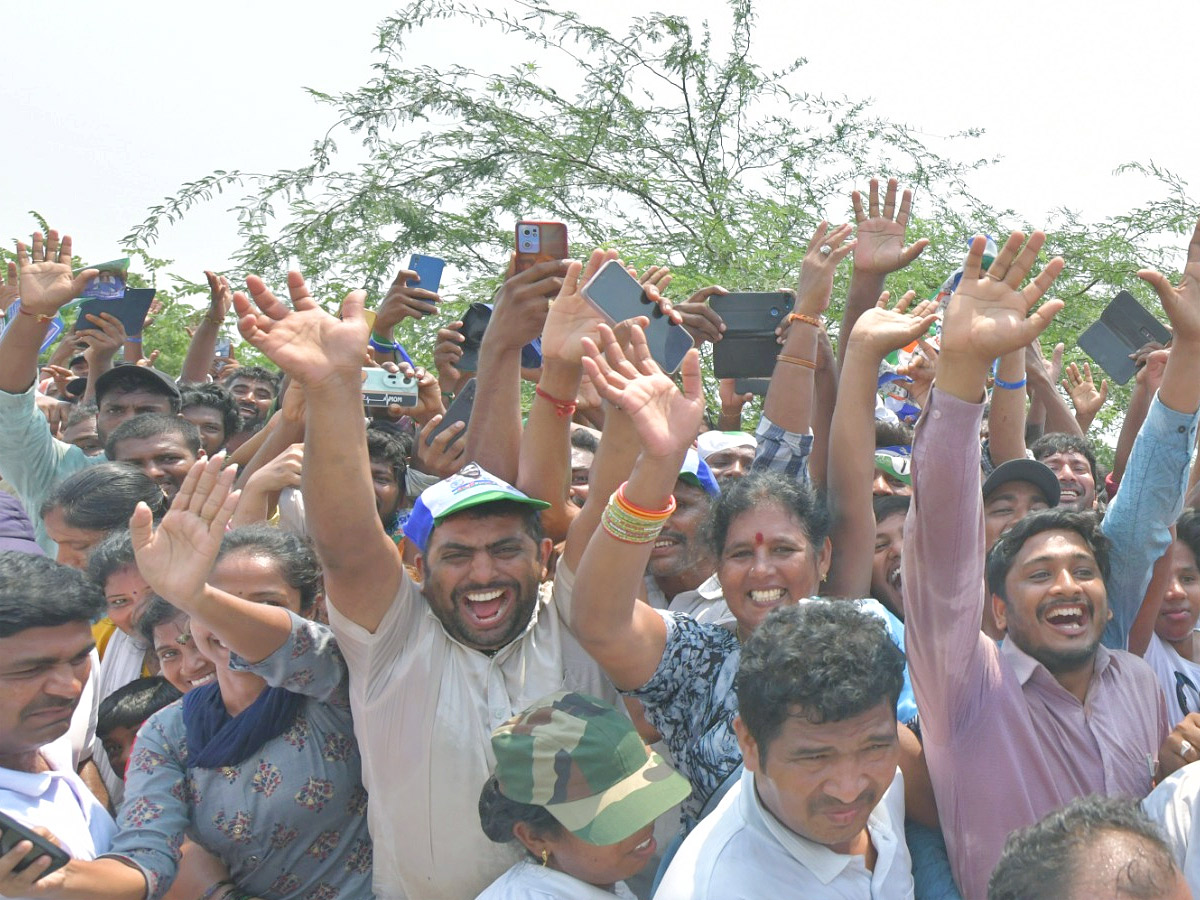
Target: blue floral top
290, 821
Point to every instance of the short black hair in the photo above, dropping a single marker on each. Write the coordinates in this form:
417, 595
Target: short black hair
294, 555
1050, 860
823, 660
132, 704
213, 396
111, 555
1004, 552
150, 425
762, 487
892, 434
498, 815
1058, 442
386, 446
79, 412
129, 382
886, 505
103, 497
157, 612
1187, 528
37, 592
583, 438
255, 373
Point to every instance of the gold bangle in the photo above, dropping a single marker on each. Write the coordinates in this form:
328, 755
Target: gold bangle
797, 361
801, 317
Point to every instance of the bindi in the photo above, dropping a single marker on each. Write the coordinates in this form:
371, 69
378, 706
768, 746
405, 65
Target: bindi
758, 537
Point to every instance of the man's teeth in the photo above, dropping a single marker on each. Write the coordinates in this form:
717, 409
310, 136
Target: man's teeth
772, 596
1065, 612
644, 844
660, 544
483, 596
894, 578
196, 682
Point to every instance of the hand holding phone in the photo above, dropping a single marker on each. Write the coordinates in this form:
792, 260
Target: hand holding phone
617, 294
381, 389
409, 296
13, 832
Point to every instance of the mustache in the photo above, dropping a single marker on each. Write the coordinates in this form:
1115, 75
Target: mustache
43, 706
867, 798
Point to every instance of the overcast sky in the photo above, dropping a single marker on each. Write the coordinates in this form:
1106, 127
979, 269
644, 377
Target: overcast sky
112, 106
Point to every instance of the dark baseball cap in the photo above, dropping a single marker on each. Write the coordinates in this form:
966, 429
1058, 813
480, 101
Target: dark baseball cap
1036, 473
150, 378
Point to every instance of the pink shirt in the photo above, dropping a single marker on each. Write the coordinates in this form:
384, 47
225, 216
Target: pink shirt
1005, 742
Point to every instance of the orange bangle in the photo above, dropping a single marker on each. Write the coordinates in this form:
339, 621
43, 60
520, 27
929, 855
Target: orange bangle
43, 319
801, 317
654, 514
797, 361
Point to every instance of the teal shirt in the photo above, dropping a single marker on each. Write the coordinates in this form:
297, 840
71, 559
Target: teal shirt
32, 460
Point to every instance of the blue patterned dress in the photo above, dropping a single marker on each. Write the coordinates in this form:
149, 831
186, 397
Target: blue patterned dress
290, 821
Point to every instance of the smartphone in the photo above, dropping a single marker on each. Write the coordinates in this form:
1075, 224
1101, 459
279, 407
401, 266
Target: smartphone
748, 347
752, 386
540, 242
130, 309
224, 345
618, 295
475, 322
429, 272
1124, 327
459, 411
13, 832
381, 389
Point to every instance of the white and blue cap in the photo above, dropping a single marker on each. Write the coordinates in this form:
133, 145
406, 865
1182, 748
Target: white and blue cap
696, 472
470, 486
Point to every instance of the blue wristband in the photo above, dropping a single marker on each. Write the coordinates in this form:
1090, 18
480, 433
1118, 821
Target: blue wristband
380, 345
1008, 385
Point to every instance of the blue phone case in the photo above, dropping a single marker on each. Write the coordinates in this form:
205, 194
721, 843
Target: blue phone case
428, 269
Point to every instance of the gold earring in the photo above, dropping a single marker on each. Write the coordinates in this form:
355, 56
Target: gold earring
545, 856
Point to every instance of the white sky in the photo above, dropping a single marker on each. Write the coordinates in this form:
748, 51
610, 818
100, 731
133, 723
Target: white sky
111, 106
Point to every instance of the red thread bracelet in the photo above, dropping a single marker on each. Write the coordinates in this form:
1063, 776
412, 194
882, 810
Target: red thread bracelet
561, 409
40, 318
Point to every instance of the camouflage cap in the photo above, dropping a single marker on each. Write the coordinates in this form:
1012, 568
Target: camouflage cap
584, 762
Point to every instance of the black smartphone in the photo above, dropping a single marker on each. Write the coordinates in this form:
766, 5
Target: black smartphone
130, 309
748, 347
1124, 327
475, 323
618, 295
752, 386
459, 411
13, 832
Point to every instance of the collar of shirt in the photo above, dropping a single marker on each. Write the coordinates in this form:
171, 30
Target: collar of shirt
1025, 665
711, 589
817, 858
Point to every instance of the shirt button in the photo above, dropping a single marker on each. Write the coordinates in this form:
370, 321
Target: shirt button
252, 860
1182, 429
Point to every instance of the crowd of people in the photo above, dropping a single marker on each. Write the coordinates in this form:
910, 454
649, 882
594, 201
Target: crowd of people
902, 636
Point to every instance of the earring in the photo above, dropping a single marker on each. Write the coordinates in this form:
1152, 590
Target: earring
545, 856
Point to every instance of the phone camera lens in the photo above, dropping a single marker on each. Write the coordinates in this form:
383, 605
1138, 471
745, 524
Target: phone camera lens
774, 313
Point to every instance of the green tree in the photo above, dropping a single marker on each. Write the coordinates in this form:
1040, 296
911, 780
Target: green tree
668, 141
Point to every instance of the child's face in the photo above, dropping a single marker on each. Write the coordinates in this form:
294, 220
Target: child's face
118, 744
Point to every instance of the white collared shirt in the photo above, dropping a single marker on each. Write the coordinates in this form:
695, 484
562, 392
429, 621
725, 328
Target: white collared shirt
1173, 807
58, 801
529, 881
741, 850
424, 709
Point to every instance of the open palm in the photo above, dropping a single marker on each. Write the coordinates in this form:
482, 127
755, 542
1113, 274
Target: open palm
46, 282
571, 317
989, 314
666, 419
306, 342
176, 558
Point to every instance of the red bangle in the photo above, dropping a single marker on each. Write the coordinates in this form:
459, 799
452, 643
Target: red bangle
43, 319
561, 408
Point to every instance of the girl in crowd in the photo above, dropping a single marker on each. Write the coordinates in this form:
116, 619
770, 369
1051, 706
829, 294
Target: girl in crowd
577, 788
260, 766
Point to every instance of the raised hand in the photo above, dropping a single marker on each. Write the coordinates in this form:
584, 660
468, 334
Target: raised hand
571, 317
1153, 365
1086, 399
880, 248
881, 330
103, 341
665, 418
220, 297
732, 403
1180, 302
176, 558
443, 456
404, 302
305, 341
698, 318
656, 276
826, 249
989, 314
524, 302
46, 283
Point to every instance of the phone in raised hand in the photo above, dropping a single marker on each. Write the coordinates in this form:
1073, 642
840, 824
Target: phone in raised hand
617, 294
